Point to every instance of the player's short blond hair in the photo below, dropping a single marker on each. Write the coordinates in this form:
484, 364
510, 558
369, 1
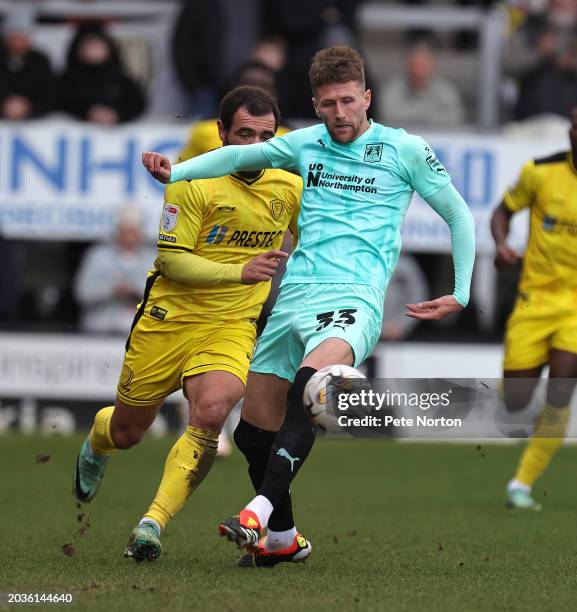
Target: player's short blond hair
339, 64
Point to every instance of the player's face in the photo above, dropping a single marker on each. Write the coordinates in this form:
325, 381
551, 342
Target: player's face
247, 129
342, 107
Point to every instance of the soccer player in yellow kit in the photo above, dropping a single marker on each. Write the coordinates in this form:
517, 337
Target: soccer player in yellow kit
195, 328
203, 137
542, 329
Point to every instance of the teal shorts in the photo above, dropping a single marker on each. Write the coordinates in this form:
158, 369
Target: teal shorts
307, 314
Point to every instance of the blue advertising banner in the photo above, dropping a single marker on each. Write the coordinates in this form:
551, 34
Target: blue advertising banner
67, 181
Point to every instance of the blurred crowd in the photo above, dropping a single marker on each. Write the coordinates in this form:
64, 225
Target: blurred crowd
218, 44
541, 58
94, 85
213, 41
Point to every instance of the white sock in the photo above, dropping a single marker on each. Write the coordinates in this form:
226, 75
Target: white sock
277, 540
150, 521
514, 485
262, 507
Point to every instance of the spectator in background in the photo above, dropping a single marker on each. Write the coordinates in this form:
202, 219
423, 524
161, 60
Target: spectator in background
539, 34
95, 86
212, 39
270, 51
542, 57
108, 284
408, 286
466, 39
420, 97
203, 136
307, 26
26, 80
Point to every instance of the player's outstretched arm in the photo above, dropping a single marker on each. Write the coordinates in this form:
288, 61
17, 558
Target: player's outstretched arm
449, 204
220, 162
195, 271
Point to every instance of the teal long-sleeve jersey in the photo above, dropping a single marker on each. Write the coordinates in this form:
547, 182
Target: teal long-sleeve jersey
354, 200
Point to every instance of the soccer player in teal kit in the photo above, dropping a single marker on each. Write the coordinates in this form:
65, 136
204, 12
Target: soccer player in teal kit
358, 181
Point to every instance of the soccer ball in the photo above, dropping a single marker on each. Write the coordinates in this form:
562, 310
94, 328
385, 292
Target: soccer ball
317, 394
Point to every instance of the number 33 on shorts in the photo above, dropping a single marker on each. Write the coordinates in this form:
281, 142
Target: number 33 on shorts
341, 318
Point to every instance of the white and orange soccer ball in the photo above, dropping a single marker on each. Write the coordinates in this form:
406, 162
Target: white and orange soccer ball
317, 394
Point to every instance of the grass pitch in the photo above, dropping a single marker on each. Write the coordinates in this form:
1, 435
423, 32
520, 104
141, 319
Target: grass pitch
393, 526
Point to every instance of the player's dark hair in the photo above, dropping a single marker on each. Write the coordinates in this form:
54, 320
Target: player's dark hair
256, 101
339, 64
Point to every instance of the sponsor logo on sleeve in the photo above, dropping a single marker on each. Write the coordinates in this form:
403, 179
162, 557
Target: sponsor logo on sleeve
164, 238
434, 164
169, 217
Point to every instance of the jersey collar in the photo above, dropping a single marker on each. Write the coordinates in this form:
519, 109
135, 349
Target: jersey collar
248, 181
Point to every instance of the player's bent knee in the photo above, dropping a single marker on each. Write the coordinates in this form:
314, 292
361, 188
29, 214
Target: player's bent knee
210, 413
126, 437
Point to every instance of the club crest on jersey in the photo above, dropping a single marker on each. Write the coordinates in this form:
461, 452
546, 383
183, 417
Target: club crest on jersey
277, 209
373, 153
169, 217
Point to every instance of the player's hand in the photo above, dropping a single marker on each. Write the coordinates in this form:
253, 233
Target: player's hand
434, 310
506, 256
262, 267
158, 165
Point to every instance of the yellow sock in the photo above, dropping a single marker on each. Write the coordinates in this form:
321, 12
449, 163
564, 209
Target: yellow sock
544, 443
188, 462
100, 438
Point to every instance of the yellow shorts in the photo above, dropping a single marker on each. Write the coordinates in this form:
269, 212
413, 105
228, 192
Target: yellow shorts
161, 354
539, 323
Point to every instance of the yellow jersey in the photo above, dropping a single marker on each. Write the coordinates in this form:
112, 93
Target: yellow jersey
548, 187
203, 137
230, 219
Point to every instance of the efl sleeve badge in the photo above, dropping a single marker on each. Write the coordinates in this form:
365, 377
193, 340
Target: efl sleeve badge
169, 217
